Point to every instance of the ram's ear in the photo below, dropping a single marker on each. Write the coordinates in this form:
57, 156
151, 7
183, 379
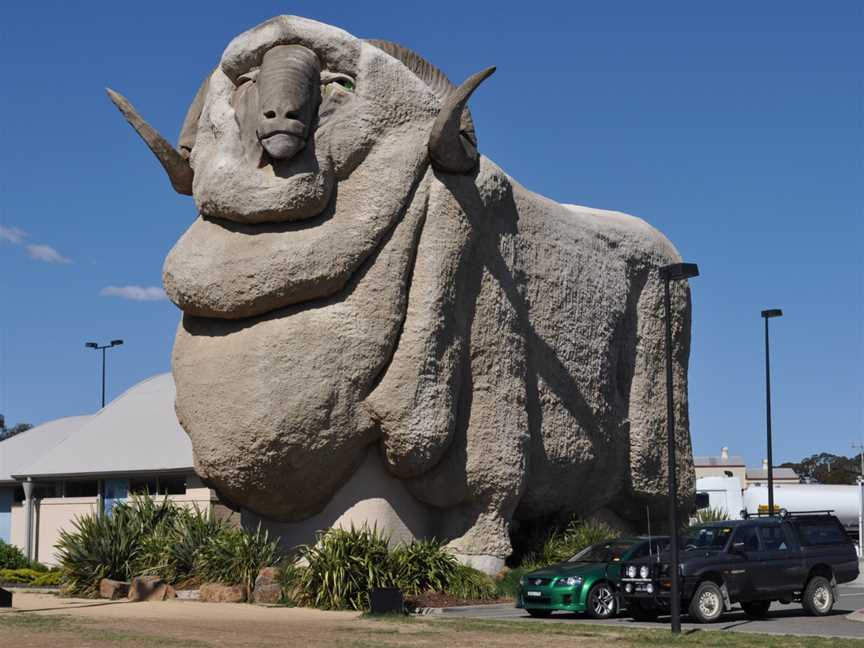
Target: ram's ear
189, 131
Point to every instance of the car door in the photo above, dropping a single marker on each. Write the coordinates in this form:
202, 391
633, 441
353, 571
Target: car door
781, 568
743, 562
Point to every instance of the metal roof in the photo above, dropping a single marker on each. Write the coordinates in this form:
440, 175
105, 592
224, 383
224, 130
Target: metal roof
135, 433
734, 461
778, 473
24, 448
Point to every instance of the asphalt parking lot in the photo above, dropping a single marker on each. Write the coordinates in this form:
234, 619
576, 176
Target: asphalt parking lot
782, 619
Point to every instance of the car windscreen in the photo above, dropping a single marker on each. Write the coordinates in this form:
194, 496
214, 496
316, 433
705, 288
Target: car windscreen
707, 537
603, 552
820, 532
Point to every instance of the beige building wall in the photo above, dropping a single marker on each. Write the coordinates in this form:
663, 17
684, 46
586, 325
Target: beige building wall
55, 514
18, 526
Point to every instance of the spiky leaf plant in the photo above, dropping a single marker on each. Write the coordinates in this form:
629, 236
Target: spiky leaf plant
423, 565
235, 556
471, 584
343, 566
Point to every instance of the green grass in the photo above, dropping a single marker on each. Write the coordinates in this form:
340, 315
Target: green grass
87, 630
642, 637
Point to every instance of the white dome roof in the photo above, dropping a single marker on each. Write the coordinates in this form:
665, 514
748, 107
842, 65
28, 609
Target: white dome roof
135, 433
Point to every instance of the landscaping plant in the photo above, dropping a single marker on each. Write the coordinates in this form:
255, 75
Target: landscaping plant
147, 535
710, 514
471, 584
173, 548
422, 566
343, 566
235, 556
28, 576
97, 547
563, 544
11, 557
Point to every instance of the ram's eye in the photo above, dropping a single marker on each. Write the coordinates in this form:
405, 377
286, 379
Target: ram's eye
251, 75
344, 81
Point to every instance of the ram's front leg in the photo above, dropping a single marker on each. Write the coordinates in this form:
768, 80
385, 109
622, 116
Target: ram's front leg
648, 479
416, 400
480, 479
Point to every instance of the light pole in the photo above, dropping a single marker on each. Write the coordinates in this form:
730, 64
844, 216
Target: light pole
766, 315
96, 347
670, 273
855, 446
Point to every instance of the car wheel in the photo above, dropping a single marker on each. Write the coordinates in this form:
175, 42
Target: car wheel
756, 609
818, 597
601, 601
706, 606
639, 612
540, 614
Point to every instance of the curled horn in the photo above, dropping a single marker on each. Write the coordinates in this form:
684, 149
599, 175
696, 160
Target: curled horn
449, 149
175, 165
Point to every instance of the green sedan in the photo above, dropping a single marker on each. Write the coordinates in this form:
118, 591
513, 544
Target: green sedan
587, 581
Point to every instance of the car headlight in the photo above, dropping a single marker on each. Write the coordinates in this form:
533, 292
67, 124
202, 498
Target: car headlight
644, 571
570, 581
631, 571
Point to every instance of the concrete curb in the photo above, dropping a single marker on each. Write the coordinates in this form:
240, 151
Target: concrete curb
427, 611
857, 615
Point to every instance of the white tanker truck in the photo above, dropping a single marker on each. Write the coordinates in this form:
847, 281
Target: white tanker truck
725, 493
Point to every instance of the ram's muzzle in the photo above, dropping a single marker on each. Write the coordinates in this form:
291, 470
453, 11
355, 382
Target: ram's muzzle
288, 86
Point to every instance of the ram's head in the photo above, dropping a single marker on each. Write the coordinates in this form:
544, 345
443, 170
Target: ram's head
274, 136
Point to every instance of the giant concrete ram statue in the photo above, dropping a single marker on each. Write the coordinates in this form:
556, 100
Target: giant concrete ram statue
381, 325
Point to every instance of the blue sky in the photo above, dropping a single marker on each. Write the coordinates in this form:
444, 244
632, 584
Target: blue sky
735, 128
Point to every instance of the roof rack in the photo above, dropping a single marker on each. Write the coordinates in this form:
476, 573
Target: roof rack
783, 513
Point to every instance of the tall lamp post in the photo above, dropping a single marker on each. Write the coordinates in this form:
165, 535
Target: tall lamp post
96, 347
766, 315
670, 273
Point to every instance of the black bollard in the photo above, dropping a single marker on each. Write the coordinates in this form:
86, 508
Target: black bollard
5, 598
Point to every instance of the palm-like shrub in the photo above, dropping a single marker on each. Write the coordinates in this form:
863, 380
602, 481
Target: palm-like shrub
149, 535
422, 566
563, 544
710, 514
471, 584
98, 547
343, 566
234, 556
173, 548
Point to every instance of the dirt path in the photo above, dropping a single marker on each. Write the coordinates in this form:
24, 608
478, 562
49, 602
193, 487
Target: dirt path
40, 620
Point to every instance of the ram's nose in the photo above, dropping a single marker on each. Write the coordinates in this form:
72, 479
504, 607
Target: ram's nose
281, 134
288, 94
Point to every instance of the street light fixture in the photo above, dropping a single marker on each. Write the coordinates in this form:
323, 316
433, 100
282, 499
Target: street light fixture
96, 347
766, 315
670, 273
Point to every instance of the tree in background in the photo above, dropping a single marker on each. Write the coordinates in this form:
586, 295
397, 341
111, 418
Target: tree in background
6, 433
827, 468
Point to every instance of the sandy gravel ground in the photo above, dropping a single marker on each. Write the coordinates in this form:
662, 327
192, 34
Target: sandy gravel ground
41, 620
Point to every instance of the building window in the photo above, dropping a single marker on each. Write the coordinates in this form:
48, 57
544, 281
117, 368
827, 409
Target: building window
143, 486
40, 491
172, 485
81, 488
157, 486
